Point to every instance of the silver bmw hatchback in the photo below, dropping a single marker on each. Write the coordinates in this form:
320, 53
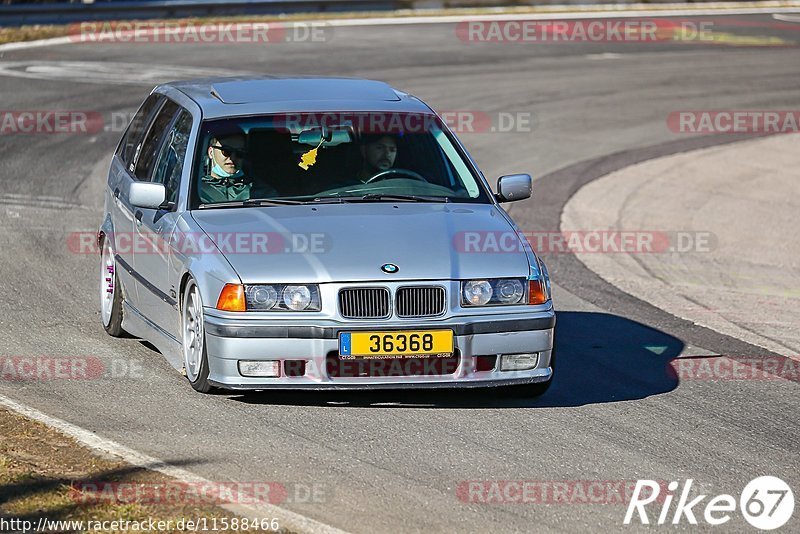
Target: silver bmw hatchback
318, 233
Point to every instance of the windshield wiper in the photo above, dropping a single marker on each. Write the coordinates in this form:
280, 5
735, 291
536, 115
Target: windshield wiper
251, 202
271, 202
292, 202
322, 200
328, 200
409, 198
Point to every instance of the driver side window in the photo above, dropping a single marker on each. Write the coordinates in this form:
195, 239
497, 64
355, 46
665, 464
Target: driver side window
172, 156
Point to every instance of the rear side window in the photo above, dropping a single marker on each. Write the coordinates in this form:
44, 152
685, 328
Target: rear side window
152, 142
135, 132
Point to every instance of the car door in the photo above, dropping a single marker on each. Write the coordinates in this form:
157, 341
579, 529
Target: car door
163, 159
120, 178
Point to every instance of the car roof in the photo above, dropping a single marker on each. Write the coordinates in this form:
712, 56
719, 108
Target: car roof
253, 95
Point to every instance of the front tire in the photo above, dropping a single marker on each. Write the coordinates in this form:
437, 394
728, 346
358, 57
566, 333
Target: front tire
111, 296
195, 357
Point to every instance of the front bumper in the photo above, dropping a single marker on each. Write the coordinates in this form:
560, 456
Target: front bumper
230, 340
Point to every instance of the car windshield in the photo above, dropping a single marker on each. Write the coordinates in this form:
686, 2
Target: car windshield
332, 157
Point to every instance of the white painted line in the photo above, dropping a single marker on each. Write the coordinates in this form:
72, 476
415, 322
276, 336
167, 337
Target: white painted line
786, 18
287, 519
608, 11
605, 55
106, 72
24, 45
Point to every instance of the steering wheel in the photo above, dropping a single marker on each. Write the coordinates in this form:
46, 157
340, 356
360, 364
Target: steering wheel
387, 175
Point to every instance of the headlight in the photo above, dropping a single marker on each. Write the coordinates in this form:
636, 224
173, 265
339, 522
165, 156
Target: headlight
282, 297
509, 291
262, 297
296, 297
477, 292
498, 292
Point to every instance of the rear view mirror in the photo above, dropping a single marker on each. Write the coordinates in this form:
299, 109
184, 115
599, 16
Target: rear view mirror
147, 195
330, 137
514, 187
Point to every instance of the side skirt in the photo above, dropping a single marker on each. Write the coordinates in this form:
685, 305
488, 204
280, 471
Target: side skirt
139, 325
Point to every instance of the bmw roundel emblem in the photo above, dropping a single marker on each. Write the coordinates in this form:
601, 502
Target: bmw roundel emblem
389, 268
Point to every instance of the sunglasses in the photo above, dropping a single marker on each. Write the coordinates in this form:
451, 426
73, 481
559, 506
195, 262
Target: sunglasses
227, 151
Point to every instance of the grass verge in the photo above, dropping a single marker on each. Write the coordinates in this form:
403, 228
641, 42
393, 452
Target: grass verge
43, 472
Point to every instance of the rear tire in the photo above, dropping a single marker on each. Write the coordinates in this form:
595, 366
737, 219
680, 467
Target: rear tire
193, 339
111, 295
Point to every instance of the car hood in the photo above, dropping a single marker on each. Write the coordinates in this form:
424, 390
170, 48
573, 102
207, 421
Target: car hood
350, 242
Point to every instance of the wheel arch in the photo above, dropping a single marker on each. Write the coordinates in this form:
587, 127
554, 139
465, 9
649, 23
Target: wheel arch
182, 288
106, 229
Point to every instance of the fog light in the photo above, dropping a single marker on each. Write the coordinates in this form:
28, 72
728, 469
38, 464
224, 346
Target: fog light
519, 362
270, 369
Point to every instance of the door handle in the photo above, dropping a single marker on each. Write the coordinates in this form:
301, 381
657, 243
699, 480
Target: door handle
116, 193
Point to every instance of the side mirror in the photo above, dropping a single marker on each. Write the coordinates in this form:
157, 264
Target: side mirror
514, 187
147, 195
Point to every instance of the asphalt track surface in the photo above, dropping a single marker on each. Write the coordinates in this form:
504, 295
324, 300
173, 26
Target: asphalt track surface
392, 461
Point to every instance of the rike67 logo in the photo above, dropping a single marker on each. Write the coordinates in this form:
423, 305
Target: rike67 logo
766, 503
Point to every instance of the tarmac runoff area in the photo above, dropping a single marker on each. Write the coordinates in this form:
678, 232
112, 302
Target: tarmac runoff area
722, 228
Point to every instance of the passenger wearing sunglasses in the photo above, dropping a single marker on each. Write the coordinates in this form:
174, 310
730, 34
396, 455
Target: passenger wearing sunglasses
225, 180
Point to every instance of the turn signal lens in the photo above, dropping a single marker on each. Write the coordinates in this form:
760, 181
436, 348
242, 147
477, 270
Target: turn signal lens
232, 298
537, 293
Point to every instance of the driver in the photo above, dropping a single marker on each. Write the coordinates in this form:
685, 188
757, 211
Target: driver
379, 154
225, 181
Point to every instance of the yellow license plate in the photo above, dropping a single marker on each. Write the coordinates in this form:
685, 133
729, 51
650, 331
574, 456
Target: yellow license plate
407, 344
